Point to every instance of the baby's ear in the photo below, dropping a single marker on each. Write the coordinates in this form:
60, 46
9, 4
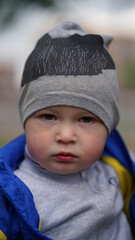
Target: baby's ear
106, 39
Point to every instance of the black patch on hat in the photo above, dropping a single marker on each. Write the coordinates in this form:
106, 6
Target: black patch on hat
74, 55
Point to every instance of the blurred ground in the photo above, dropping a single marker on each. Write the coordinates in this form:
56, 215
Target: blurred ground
10, 125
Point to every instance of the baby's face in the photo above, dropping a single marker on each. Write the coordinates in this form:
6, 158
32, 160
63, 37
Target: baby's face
65, 139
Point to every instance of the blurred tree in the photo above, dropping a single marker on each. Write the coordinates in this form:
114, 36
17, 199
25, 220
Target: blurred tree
9, 8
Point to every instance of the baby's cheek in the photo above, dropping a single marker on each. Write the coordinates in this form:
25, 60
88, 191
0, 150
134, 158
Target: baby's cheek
94, 151
38, 149
32, 149
99, 150
32, 145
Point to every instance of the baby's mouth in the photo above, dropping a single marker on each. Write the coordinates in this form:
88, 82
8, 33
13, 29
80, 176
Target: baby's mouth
65, 157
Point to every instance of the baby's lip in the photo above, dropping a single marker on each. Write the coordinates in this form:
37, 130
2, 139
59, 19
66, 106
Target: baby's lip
65, 156
65, 153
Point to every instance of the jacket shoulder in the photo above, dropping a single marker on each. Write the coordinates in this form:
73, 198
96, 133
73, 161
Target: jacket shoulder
13, 152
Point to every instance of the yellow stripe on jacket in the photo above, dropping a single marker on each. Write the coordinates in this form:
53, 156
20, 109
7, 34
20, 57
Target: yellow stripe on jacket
2, 236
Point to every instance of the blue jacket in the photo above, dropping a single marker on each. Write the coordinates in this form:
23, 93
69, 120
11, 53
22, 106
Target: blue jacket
19, 219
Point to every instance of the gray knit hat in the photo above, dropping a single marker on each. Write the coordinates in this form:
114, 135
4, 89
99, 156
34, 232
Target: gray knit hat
70, 67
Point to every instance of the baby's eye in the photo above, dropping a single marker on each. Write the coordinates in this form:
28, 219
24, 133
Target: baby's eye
86, 119
49, 117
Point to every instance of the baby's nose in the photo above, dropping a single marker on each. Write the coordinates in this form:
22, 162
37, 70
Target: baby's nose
66, 133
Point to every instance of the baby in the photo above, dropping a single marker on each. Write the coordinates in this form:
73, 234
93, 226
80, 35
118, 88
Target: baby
73, 177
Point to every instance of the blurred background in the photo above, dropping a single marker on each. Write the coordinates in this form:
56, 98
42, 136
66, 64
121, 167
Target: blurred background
23, 22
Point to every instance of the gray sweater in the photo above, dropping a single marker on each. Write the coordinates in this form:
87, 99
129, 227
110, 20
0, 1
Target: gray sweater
86, 205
